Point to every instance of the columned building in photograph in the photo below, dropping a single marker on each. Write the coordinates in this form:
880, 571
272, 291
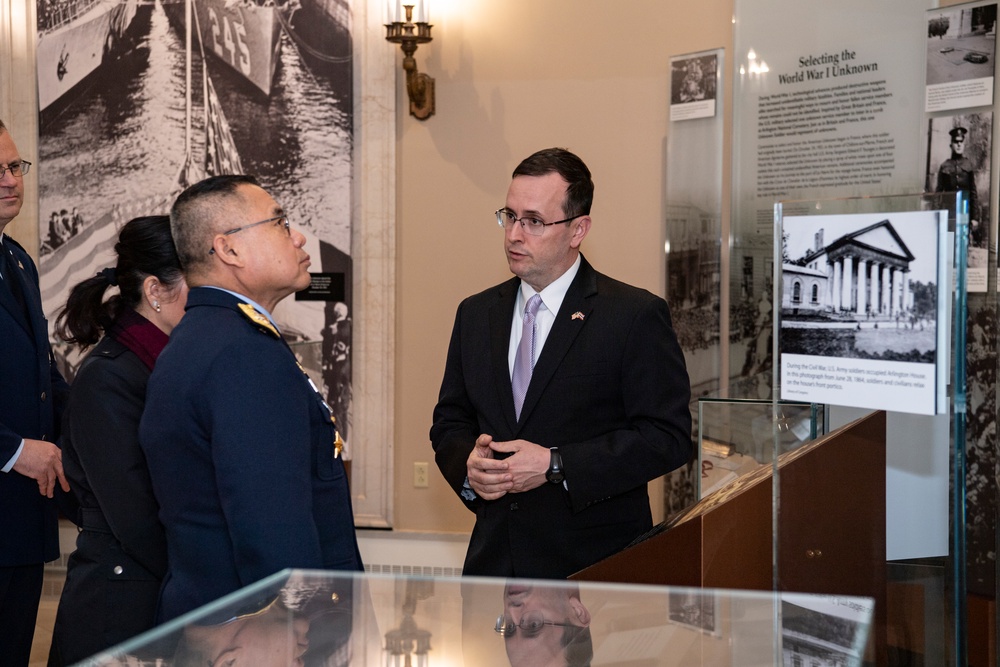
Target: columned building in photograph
867, 272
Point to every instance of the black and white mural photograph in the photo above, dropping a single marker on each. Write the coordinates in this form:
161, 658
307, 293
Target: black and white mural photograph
138, 100
860, 306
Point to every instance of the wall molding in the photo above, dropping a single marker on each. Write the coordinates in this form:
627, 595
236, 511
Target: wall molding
374, 253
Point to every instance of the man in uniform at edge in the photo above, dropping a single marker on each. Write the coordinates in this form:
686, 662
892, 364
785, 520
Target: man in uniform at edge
32, 395
242, 450
558, 483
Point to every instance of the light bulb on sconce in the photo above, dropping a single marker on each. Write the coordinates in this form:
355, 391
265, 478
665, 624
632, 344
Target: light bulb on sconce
407, 25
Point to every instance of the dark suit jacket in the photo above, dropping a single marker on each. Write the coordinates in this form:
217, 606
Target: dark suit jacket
32, 393
113, 577
610, 389
241, 453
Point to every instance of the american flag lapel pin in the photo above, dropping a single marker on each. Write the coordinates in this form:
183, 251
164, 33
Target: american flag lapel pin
577, 316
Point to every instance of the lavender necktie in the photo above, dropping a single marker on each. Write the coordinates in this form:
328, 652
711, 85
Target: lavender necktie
524, 358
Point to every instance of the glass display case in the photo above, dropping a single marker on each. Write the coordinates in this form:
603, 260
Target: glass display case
309, 618
739, 432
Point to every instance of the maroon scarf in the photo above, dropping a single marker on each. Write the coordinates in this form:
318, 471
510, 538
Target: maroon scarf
140, 335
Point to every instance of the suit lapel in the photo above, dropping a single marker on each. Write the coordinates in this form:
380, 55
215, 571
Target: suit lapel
501, 316
566, 327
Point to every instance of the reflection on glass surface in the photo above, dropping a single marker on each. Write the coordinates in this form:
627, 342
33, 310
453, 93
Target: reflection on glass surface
273, 636
306, 618
544, 625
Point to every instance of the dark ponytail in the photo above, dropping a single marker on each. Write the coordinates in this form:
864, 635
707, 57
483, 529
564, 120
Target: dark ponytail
145, 248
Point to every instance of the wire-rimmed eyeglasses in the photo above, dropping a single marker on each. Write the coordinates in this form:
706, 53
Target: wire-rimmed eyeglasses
531, 624
507, 219
278, 220
16, 169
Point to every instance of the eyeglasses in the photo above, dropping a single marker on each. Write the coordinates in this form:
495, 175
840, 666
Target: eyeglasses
279, 221
533, 226
16, 169
531, 624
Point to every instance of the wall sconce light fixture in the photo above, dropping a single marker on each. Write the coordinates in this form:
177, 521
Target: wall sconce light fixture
409, 34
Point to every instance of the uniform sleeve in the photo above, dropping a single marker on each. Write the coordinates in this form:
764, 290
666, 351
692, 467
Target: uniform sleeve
60, 391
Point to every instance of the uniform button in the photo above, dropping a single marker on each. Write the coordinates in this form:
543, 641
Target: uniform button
513, 507
119, 569
43, 395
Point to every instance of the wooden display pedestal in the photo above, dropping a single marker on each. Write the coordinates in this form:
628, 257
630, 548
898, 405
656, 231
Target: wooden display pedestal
831, 529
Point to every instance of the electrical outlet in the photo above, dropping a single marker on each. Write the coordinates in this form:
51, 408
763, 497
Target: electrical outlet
421, 475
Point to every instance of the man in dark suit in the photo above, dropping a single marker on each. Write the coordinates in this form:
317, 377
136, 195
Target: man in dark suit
558, 482
32, 393
242, 450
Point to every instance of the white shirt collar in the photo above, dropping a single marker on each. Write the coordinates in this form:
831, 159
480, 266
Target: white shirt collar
553, 294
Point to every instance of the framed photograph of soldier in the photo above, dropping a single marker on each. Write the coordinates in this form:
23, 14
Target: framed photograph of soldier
958, 158
961, 47
862, 299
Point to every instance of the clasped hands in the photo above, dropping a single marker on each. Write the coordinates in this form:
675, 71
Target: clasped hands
523, 470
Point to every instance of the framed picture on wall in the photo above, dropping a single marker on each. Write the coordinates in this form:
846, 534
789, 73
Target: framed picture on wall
863, 300
961, 48
693, 86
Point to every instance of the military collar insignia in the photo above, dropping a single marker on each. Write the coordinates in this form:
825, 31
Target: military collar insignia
259, 320
19, 264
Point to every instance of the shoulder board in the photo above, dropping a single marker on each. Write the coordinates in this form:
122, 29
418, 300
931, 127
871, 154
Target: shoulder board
258, 320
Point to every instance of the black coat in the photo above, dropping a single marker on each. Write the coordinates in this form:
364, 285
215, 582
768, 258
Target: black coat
113, 577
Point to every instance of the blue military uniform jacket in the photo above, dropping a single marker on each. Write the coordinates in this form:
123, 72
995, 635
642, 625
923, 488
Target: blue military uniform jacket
241, 453
32, 393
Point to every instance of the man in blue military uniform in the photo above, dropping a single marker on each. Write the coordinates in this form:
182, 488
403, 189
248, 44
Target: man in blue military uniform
242, 450
32, 393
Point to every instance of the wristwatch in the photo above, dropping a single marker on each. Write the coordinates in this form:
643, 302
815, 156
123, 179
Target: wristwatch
555, 472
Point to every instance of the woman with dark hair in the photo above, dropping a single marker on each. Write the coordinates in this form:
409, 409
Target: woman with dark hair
113, 577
